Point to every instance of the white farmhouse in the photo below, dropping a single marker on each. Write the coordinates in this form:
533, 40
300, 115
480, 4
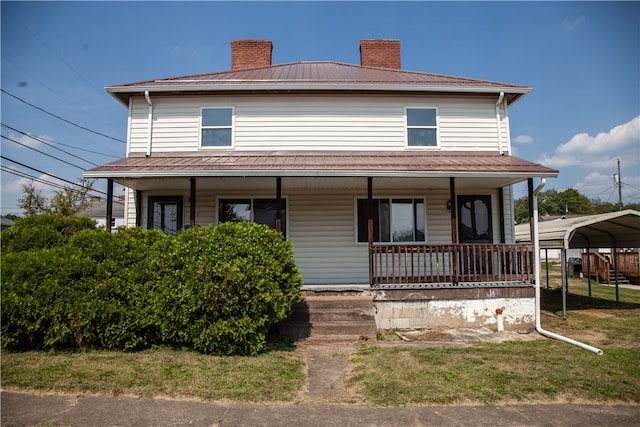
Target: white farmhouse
389, 182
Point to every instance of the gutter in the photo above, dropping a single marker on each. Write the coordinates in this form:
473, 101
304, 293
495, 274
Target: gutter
536, 249
150, 125
498, 123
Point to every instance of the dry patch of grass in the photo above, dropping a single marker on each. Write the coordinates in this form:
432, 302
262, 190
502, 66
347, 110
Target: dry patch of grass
274, 376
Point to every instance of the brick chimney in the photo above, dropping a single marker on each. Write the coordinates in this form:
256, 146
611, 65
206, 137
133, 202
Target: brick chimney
380, 53
250, 53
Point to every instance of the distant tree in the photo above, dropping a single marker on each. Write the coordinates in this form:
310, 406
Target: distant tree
521, 206
634, 206
71, 200
553, 202
68, 201
33, 201
600, 207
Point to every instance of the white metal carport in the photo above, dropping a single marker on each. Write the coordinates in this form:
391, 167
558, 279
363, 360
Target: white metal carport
614, 230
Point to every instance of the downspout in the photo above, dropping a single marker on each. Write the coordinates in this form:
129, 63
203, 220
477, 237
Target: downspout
498, 122
150, 125
536, 250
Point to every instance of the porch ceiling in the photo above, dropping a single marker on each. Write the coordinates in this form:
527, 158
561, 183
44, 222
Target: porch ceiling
307, 167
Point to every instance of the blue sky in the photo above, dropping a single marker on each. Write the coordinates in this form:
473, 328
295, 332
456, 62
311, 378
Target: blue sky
582, 60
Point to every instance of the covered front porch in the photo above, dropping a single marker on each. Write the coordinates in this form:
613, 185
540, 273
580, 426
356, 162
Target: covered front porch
334, 207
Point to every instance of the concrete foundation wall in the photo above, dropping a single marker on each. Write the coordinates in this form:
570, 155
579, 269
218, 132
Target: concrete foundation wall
518, 313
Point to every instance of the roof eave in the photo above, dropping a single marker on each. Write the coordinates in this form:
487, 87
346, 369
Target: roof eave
122, 93
313, 173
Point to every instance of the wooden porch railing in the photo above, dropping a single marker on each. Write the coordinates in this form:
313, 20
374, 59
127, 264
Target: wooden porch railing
415, 263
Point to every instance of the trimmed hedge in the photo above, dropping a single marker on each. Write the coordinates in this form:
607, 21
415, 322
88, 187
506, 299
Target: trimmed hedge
217, 290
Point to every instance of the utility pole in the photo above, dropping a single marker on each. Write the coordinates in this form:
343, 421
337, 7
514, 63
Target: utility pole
619, 187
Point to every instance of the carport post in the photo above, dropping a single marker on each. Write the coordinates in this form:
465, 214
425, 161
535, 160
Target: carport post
615, 270
565, 284
589, 268
546, 261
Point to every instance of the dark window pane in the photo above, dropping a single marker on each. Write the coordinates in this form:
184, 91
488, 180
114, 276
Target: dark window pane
216, 117
421, 117
474, 219
384, 216
422, 137
235, 210
265, 212
216, 137
419, 217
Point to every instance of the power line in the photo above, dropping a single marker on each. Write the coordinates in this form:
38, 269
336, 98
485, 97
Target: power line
42, 152
91, 85
46, 143
46, 173
21, 174
41, 138
61, 118
52, 91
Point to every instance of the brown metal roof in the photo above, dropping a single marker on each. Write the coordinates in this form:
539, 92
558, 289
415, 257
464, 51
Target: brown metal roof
328, 76
322, 163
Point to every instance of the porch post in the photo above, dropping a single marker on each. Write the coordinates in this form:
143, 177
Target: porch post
279, 204
454, 210
501, 212
192, 204
109, 203
530, 192
454, 227
138, 208
370, 226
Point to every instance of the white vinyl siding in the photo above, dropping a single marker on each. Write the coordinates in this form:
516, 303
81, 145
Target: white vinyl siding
316, 123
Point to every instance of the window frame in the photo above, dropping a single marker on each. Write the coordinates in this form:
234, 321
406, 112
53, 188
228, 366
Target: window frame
285, 217
178, 200
436, 127
390, 200
232, 127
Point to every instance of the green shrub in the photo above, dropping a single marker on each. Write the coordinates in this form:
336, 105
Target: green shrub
217, 290
226, 287
42, 231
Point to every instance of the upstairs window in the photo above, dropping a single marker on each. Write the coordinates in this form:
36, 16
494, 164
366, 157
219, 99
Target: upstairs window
394, 220
422, 128
216, 127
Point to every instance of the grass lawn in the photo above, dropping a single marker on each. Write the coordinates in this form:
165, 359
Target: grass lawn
580, 286
274, 376
518, 371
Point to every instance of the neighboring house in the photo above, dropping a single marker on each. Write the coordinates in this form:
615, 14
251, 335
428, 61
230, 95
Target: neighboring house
391, 182
97, 211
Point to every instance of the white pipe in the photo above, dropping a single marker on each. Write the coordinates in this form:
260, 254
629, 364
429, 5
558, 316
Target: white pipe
150, 125
536, 249
498, 122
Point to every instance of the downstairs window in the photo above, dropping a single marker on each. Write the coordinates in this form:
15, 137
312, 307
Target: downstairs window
395, 220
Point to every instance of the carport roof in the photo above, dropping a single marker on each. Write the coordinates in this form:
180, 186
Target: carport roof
616, 229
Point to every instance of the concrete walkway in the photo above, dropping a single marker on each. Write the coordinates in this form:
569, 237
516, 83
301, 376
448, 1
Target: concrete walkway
57, 410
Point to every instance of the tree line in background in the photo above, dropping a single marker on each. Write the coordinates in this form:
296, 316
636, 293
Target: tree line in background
567, 202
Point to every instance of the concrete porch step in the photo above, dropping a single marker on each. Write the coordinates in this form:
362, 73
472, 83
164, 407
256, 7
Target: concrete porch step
331, 318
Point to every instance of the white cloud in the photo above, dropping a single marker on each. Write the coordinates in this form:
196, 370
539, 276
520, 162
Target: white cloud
179, 51
600, 151
28, 139
523, 139
570, 26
